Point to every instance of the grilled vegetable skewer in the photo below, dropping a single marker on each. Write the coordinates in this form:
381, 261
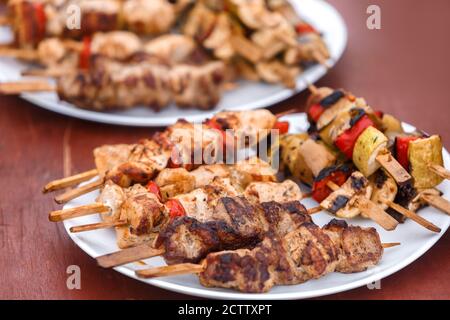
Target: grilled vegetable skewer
282, 259
422, 156
313, 163
330, 113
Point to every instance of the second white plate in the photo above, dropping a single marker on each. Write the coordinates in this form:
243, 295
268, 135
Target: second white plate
249, 95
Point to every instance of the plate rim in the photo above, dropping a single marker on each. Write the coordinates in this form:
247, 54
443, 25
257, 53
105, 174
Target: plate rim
215, 293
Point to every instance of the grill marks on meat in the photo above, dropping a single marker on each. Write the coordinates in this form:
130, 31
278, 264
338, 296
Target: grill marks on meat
283, 218
143, 80
142, 210
113, 85
359, 248
235, 222
188, 240
144, 161
306, 253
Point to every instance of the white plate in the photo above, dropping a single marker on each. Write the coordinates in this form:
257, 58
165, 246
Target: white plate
248, 95
415, 241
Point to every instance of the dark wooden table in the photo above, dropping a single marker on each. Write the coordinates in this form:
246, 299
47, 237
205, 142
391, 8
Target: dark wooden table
402, 69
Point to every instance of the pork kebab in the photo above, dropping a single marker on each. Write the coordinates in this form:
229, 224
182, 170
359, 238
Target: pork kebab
308, 252
180, 145
116, 71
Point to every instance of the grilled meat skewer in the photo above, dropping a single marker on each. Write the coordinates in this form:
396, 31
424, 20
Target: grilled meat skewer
308, 252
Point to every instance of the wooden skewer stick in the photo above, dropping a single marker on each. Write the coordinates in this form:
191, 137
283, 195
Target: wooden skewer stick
52, 72
85, 210
99, 225
24, 54
176, 269
314, 210
320, 59
395, 169
129, 255
75, 193
437, 202
189, 268
4, 20
440, 171
12, 88
70, 181
413, 216
407, 213
370, 209
311, 87
285, 113
390, 244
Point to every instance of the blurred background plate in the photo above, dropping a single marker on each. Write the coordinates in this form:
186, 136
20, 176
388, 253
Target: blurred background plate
248, 95
415, 241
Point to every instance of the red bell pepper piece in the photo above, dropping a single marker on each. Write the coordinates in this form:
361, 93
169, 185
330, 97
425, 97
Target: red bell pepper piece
41, 19
85, 54
401, 149
175, 208
304, 28
282, 126
152, 187
379, 114
320, 189
346, 141
315, 111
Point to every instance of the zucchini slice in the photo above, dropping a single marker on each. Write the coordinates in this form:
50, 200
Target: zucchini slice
367, 147
422, 153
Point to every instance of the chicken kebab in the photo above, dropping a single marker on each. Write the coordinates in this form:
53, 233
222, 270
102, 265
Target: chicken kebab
261, 40
305, 253
183, 144
34, 20
145, 209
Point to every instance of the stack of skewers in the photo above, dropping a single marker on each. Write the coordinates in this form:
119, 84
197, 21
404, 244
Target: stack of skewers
236, 225
134, 60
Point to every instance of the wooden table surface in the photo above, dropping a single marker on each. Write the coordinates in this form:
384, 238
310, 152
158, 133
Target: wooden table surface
402, 69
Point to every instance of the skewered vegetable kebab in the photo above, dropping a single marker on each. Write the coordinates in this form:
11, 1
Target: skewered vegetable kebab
138, 163
314, 164
309, 252
366, 140
422, 156
34, 20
